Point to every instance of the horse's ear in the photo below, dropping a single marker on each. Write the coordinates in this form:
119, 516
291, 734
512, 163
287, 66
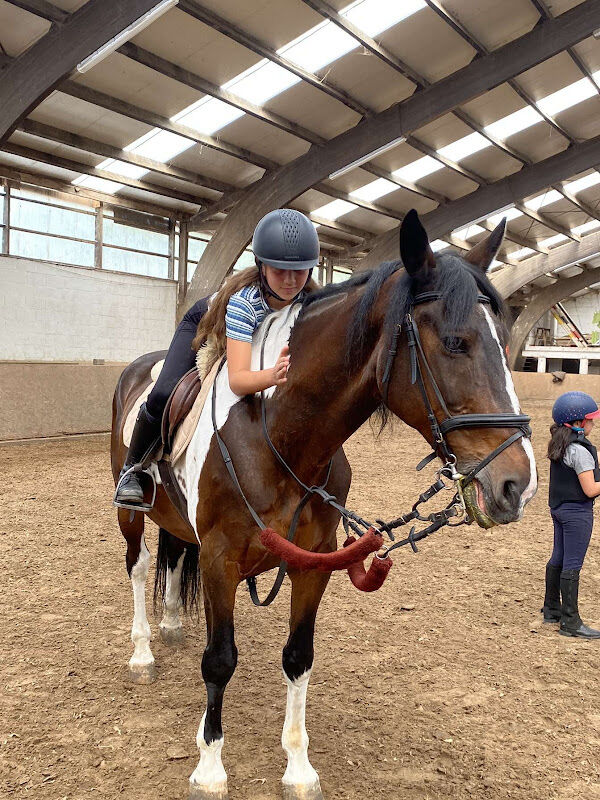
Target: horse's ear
414, 245
485, 251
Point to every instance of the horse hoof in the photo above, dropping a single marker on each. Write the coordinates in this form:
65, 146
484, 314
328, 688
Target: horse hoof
310, 791
198, 792
142, 674
172, 636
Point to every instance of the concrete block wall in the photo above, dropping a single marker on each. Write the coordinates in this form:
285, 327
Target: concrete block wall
51, 312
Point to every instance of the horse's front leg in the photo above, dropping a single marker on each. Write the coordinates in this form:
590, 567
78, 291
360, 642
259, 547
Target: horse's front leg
141, 664
300, 781
219, 582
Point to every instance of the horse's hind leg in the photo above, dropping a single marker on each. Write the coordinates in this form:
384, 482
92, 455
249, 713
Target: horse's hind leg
219, 583
176, 582
300, 781
141, 664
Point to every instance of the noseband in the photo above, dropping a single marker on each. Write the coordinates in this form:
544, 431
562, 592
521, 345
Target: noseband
420, 366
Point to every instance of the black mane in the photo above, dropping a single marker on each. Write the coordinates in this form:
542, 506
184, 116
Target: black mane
457, 281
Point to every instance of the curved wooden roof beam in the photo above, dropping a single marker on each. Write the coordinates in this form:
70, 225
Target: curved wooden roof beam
30, 78
279, 187
486, 200
542, 302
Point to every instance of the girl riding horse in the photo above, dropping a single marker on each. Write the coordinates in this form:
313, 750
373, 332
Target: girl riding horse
286, 248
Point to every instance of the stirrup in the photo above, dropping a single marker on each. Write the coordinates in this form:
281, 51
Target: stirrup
143, 506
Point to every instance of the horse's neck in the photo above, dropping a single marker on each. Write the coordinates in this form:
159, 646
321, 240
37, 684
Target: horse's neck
322, 403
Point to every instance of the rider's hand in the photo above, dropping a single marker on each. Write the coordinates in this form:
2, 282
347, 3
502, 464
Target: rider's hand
281, 367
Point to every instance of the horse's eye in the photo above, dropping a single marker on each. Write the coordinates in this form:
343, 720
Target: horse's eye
455, 344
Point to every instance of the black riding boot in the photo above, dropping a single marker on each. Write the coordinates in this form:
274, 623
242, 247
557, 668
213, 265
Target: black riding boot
145, 438
570, 621
552, 609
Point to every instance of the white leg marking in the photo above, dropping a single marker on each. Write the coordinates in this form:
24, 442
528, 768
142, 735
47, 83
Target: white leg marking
209, 775
140, 630
510, 391
299, 773
170, 620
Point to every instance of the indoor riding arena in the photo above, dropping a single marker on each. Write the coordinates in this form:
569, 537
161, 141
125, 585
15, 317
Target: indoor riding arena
143, 144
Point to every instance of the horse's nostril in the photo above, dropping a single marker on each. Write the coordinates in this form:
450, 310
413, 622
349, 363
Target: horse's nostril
510, 492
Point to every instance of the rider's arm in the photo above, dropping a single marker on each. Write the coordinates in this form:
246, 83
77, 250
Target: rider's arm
242, 380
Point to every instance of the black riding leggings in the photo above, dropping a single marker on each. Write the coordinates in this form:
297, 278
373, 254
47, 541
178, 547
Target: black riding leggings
179, 359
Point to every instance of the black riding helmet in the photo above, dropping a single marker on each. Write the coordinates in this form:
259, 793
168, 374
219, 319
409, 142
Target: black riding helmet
284, 239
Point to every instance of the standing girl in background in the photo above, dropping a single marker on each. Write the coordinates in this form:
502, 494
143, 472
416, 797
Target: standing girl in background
574, 483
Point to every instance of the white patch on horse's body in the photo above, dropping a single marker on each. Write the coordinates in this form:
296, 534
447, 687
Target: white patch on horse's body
209, 775
279, 326
142, 658
170, 620
512, 395
294, 739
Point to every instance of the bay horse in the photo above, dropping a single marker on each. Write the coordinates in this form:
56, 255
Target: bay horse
339, 347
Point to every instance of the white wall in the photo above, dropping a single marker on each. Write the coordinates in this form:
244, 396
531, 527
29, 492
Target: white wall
51, 312
581, 310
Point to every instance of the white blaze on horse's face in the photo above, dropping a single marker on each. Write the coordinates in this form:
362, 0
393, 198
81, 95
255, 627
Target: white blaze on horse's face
531, 488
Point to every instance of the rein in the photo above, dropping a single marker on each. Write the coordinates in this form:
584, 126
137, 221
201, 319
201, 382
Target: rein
350, 520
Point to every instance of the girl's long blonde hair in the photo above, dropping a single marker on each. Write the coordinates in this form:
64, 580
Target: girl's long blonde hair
211, 329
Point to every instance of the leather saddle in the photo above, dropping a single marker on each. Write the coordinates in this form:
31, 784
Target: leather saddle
178, 406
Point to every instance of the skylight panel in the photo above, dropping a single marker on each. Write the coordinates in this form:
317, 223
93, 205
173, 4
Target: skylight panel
513, 123
583, 183
335, 209
551, 196
208, 115
320, 46
122, 168
552, 240
261, 83
375, 16
569, 96
438, 245
519, 254
509, 213
374, 189
468, 232
586, 227
99, 184
464, 147
495, 264
418, 169
160, 145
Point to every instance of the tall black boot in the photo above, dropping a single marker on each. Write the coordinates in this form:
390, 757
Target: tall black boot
145, 439
570, 621
552, 609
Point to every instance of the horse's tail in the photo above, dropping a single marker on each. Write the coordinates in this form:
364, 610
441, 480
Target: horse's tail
170, 549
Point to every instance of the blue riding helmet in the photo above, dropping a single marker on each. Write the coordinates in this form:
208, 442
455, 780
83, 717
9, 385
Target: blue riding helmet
572, 406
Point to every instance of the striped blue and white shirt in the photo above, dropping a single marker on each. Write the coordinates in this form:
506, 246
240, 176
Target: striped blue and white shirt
246, 309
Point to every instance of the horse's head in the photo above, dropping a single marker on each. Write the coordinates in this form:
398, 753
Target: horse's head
460, 355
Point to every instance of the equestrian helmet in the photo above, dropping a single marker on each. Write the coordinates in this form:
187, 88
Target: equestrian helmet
572, 406
286, 239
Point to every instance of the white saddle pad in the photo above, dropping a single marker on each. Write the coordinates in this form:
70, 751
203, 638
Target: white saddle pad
194, 436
